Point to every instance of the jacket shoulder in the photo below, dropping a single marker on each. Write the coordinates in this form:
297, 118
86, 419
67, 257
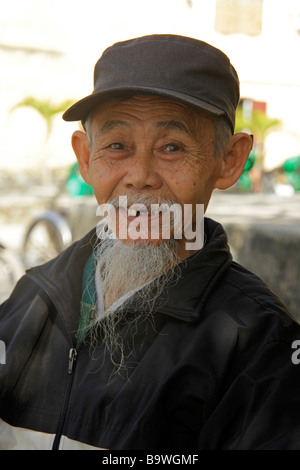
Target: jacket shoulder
253, 290
247, 305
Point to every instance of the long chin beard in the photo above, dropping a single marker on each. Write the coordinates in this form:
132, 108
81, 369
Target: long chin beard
124, 268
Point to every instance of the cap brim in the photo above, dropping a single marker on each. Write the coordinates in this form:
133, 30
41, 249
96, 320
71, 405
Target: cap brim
80, 110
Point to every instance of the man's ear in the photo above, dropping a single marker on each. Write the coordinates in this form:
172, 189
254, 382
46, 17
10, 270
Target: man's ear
80, 144
234, 160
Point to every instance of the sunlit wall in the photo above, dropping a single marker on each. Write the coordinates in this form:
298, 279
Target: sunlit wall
48, 49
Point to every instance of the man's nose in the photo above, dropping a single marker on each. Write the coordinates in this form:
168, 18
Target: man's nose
142, 172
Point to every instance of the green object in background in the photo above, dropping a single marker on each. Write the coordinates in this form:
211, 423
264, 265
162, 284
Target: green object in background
294, 180
245, 181
245, 178
291, 168
76, 186
250, 161
291, 164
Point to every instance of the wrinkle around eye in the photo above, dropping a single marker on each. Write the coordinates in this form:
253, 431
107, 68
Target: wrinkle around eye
107, 149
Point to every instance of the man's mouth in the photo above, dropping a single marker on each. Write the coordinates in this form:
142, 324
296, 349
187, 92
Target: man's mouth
149, 219
155, 221
143, 214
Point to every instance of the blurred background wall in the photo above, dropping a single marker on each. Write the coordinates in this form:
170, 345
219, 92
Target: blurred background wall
48, 49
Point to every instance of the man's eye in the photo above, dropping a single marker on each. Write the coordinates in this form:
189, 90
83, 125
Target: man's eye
117, 146
173, 148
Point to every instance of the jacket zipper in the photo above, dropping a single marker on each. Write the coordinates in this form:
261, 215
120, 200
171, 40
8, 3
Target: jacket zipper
72, 359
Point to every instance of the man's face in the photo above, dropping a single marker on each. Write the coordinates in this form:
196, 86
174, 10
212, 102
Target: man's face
152, 147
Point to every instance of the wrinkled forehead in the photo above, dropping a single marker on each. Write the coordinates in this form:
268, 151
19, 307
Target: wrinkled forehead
148, 108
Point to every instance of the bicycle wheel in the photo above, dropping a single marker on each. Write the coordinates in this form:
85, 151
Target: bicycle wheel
45, 238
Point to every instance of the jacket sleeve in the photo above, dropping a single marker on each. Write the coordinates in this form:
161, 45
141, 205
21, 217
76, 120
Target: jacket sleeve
22, 318
259, 407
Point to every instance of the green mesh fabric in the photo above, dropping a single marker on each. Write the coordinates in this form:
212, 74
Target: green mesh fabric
88, 300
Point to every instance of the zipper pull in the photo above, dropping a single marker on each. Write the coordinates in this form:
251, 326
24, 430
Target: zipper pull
72, 358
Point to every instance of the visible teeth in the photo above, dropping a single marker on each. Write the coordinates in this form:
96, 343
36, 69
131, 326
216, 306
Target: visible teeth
132, 212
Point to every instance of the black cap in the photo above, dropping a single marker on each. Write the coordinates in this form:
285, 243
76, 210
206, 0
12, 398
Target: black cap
176, 67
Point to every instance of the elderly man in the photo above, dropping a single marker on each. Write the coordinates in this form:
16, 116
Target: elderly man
151, 342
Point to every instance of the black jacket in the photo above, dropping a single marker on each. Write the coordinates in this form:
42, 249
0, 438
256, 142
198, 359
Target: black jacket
216, 372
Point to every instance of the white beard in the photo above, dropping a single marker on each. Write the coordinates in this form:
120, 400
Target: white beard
121, 269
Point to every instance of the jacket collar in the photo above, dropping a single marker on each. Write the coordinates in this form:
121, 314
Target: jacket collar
61, 278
